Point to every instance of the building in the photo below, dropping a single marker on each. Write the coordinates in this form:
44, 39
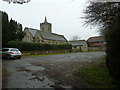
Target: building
96, 43
79, 45
44, 35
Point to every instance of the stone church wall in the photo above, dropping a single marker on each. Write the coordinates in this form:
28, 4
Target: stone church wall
28, 37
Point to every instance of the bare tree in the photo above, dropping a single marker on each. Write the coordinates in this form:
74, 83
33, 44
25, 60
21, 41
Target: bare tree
76, 37
17, 1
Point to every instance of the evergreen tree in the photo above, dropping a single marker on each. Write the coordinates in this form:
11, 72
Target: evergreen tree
5, 24
19, 33
11, 30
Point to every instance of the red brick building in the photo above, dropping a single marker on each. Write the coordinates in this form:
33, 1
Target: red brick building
96, 43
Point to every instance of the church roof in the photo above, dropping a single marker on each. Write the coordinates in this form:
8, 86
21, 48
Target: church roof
52, 36
32, 31
46, 35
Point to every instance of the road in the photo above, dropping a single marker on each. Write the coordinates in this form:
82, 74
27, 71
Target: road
50, 71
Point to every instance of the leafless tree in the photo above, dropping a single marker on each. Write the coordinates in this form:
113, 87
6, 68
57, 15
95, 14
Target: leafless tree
76, 37
17, 1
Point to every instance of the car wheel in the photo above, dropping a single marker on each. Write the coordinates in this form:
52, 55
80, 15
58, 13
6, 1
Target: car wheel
8, 57
19, 57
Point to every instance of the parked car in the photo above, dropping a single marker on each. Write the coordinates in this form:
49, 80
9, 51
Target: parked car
9, 53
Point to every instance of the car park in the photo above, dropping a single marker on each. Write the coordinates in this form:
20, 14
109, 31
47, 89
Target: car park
8, 53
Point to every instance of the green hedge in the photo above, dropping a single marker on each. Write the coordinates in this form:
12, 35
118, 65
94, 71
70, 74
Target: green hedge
26, 46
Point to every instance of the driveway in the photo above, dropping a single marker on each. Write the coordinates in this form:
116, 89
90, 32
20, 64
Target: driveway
53, 71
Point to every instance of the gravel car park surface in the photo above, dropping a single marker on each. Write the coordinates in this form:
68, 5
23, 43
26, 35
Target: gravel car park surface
52, 71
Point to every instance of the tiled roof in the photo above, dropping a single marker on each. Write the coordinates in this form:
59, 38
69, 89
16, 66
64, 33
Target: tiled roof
32, 31
96, 39
46, 35
77, 42
52, 36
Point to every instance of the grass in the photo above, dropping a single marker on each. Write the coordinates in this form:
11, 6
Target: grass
48, 54
34, 55
96, 75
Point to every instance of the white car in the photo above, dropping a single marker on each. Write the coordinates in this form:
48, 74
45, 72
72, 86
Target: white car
11, 53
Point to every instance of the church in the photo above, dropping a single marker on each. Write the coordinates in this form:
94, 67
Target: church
44, 35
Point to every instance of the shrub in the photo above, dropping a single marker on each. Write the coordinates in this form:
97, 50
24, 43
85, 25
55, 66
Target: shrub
27, 46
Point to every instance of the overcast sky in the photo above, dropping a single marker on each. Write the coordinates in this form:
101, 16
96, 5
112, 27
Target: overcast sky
65, 16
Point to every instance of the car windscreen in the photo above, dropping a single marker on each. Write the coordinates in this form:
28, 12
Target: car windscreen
14, 50
5, 49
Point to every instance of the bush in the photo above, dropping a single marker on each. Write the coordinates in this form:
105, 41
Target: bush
27, 46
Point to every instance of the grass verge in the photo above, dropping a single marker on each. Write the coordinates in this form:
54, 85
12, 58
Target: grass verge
48, 54
96, 75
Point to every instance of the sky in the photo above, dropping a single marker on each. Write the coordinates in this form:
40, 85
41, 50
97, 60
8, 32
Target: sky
65, 16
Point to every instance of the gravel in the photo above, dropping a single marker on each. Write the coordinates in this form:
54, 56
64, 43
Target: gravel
53, 71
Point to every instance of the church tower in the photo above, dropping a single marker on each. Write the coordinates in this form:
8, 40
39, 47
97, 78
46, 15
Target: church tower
45, 26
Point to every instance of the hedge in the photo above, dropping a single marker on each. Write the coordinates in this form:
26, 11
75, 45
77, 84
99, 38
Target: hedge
27, 46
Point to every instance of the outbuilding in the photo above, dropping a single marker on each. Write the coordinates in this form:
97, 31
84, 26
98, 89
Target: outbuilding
79, 45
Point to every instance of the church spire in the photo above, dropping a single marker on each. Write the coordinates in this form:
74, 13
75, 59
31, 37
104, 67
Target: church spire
45, 19
45, 26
